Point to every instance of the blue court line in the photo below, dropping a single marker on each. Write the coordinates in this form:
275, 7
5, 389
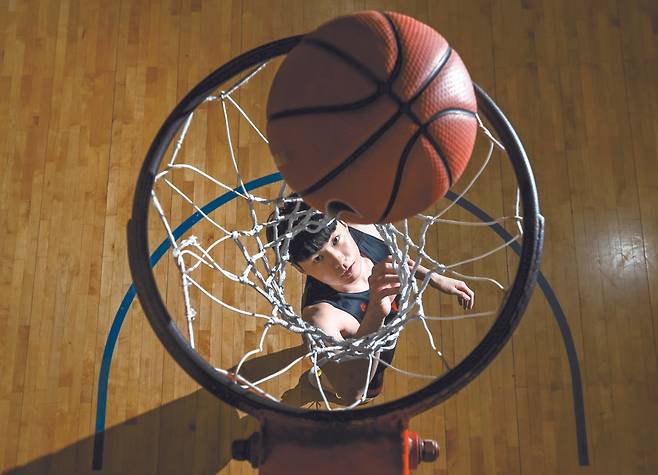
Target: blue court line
110, 344
112, 337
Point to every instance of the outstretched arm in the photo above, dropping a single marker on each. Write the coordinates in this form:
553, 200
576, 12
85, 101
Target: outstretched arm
448, 285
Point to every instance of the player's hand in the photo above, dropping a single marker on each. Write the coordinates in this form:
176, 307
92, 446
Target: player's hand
384, 285
465, 296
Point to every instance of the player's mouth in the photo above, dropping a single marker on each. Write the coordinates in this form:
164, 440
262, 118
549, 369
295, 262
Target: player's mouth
349, 273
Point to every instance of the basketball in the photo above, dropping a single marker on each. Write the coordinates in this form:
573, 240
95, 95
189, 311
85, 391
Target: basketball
372, 117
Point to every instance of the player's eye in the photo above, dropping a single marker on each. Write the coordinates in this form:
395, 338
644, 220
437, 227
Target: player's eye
336, 239
317, 258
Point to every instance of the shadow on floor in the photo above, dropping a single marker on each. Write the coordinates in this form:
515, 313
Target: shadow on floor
191, 435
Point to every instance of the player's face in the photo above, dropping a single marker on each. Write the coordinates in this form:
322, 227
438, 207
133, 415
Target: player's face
338, 263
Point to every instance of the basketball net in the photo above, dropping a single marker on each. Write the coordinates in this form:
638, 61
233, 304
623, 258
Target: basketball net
264, 266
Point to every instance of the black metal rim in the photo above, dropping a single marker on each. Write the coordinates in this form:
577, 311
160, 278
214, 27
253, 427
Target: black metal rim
220, 385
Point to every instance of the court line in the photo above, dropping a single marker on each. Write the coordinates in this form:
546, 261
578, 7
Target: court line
113, 335
563, 325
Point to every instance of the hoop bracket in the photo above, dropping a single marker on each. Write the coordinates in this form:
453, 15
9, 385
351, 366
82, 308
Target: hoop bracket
382, 446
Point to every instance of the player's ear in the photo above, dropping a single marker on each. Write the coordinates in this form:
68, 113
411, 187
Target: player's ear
341, 222
298, 267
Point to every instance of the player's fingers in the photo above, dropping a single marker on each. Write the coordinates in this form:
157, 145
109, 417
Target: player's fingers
384, 279
464, 300
388, 291
384, 271
466, 293
464, 288
380, 279
468, 302
471, 297
384, 268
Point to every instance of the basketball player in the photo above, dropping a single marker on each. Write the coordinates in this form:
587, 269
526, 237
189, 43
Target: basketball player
351, 290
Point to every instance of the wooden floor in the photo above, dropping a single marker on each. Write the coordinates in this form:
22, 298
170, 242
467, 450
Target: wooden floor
85, 85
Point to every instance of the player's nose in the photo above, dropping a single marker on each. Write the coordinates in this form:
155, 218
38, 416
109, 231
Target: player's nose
337, 260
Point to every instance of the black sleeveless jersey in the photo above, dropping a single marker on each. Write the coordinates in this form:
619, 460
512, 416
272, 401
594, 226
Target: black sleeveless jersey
356, 303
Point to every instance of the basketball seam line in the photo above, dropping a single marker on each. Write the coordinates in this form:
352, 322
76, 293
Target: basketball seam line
422, 127
362, 68
347, 107
407, 150
398, 45
353, 156
433, 142
406, 106
398, 174
384, 128
382, 86
433, 75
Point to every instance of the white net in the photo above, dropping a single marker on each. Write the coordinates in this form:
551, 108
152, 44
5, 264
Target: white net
235, 281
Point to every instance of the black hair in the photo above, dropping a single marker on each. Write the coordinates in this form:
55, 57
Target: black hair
307, 241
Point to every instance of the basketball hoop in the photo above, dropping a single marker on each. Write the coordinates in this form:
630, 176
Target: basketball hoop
287, 430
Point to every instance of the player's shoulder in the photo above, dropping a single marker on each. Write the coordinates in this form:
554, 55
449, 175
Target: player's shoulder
328, 318
369, 229
321, 311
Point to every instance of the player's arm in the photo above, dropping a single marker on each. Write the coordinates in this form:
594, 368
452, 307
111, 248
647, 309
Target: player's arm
447, 285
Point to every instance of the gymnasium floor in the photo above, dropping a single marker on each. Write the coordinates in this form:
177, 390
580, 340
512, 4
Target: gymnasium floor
85, 85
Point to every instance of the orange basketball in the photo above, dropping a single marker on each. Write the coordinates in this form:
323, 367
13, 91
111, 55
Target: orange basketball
372, 117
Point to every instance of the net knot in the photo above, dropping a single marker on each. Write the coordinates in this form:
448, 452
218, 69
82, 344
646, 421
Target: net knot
191, 241
191, 314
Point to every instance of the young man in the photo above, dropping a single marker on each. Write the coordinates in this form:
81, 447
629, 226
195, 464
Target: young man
351, 290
